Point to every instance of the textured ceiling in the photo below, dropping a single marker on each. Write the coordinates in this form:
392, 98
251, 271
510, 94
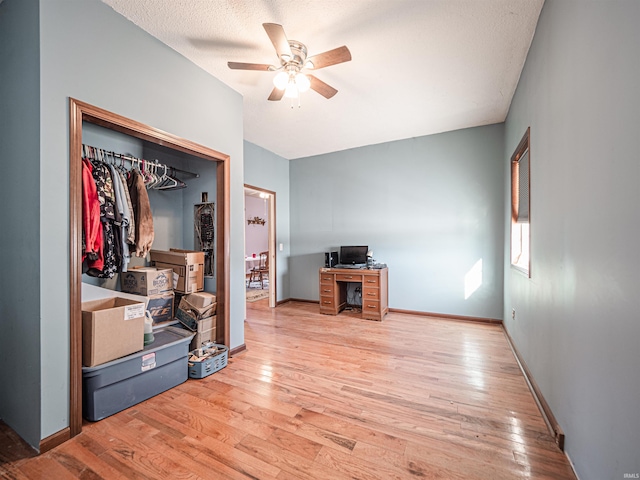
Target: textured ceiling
419, 67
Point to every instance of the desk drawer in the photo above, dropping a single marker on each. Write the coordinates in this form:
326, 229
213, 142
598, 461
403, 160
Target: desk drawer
370, 306
327, 303
371, 281
326, 289
370, 294
326, 278
346, 277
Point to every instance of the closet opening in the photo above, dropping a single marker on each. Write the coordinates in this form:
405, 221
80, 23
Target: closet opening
204, 171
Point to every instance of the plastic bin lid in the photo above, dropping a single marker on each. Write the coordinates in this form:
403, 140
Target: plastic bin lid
163, 338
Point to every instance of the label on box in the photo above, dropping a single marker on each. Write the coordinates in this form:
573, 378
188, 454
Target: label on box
148, 361
134, 311
160, 307
128, 282
176, 277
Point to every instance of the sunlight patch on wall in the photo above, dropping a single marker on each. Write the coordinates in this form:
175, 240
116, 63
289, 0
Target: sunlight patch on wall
473, 279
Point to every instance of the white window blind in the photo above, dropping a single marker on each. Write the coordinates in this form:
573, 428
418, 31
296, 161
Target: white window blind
523, 188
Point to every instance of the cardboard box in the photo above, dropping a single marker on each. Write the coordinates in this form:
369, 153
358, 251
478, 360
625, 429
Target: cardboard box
111, 328
161, 307
93, 292
206, 324
201, 299
189, 314
187, 266
203, 337
147, 280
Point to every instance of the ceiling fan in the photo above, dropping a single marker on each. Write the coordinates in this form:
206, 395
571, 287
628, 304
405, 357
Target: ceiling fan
293, 60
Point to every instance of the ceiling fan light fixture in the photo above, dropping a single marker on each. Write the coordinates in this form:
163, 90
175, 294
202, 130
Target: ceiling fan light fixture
302, 82
289, 81
281, 80
291, 91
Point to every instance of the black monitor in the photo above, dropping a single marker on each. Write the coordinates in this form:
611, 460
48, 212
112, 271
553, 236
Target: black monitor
353, 255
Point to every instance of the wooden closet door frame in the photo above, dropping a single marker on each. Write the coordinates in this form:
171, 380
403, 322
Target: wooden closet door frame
79, 112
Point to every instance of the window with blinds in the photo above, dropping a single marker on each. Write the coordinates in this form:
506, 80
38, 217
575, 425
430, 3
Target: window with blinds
520, 205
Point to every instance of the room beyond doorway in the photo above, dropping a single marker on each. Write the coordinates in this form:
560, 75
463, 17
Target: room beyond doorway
259, 241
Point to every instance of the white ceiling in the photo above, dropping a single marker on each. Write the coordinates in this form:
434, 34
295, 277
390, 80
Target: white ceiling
419, 67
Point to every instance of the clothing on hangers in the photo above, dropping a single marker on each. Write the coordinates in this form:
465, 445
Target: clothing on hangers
122, 208
117, 214
91, 225
104, 189
142, 213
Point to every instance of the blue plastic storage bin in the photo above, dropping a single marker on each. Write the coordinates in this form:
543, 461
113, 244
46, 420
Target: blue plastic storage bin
122, 383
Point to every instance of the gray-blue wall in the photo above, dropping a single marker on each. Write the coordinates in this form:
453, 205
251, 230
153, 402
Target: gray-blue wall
89, 52
20, 229
429, 207
577, 318
269, 171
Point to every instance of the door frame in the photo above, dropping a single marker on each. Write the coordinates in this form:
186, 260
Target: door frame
78, 112
271, 209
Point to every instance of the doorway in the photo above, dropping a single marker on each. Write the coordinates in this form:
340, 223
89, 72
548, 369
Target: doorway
260, 237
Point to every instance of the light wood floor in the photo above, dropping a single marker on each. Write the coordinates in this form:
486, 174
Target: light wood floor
321, 397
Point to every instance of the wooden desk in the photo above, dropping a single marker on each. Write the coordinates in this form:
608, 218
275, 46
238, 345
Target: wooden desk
375, 290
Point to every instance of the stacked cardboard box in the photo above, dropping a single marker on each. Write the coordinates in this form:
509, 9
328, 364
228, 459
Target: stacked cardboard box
156, 284
197, 312
187, 266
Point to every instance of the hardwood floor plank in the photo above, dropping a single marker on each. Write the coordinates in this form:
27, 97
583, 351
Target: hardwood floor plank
190, 421
296, 444
134, 451
219, 455
353, 430
272, 418
355, 467
45, 467
323, 397
10, 471
286, 408
290, 462
12, 447
85, 456
327, 438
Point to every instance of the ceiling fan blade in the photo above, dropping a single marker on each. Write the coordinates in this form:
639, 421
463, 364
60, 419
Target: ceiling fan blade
322, 88
276, 94
248, 66
332, 57
278, 38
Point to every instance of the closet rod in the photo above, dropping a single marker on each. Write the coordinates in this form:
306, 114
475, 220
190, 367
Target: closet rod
136, 160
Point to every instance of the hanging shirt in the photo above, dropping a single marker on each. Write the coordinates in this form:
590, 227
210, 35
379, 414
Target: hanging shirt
122, 209
142, 213
131, 228
91, 225
104, 188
